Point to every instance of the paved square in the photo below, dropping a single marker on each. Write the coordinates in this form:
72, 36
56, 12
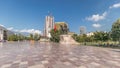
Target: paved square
52, 55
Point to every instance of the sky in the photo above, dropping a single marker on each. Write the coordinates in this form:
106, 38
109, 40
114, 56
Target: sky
29, 15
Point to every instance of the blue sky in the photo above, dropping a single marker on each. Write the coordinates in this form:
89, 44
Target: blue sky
23, 15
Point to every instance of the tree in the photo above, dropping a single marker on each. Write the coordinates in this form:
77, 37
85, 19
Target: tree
31, 37
76, 37
16, 37
36, 37
20, 37
115, 31
82, 38
101, 36
55, 35
63, 27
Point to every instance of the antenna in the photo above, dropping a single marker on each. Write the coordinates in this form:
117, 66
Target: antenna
49, 13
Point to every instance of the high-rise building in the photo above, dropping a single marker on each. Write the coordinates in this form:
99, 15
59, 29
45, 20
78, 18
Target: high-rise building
82, 30
49, 25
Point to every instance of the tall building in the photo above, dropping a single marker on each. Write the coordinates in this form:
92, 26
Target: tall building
49, 25
82, 30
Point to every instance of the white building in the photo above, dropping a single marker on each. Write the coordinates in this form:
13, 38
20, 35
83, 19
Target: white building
4, 33
49, 25
90, 34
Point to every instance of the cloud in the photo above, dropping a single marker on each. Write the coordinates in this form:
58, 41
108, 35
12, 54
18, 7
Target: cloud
11, 28
117, 5
33, 31
97, 17
96, 25
2, 25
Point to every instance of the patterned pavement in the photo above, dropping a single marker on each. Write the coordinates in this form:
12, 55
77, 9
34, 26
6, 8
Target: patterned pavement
49, 55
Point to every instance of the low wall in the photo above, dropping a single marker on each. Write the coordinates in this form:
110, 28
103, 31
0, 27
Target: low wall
67, 39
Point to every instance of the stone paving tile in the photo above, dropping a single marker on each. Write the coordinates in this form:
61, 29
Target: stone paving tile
6, 65
51, 55
81, 67
37, 66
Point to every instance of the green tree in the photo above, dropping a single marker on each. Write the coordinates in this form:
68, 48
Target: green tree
20, 37
82, 38
31, 37
63, 27
115, 31
36, 37
55, 35
13, 38
16, 37
101, 36
75, 37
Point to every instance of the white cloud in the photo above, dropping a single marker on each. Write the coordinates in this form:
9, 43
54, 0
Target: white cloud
11, 28
33, 31
97, 17
2, 25
16, 30
117, 5
96, 25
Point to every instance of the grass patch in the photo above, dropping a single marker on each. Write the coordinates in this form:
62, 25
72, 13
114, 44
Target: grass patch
102, 44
